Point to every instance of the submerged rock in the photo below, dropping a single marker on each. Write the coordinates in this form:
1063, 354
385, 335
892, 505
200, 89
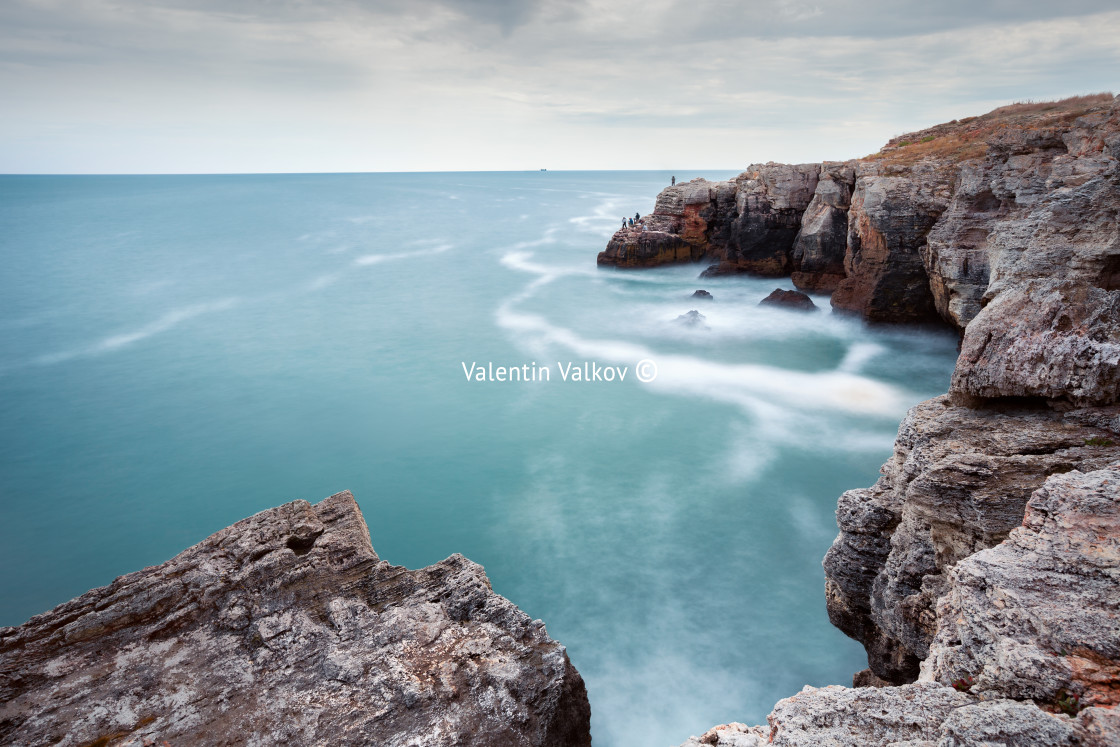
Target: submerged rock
703, 294
286, 628
693, 319
788, 299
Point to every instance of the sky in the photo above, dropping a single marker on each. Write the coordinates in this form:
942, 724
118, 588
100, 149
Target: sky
219, 86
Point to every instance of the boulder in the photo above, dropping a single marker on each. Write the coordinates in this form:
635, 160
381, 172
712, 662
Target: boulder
286, 628
789, 299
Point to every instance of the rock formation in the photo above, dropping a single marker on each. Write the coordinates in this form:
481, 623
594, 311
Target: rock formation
692, 319
703, 294
286, 628
789, 300
919, 715
985, 562
940, 224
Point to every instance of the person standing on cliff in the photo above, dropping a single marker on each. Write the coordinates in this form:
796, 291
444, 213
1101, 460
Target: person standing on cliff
637, 217
673, 181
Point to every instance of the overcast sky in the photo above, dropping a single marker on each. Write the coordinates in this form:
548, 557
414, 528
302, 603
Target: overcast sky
173, 86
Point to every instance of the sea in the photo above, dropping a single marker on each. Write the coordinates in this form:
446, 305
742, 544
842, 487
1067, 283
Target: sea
179, 352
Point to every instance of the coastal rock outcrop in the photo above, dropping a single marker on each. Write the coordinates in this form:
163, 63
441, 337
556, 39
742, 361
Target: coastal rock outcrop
747, 224
958, 483
924, 714
1038, 616
286, 628
982, 571
770, 200
996, 216
818, 251
885, 278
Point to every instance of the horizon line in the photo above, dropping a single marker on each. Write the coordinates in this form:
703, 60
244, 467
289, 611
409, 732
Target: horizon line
347, 173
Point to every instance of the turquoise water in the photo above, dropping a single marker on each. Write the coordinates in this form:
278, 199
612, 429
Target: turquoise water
177, 353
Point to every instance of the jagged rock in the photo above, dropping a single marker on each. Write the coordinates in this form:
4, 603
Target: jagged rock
958, 482
867, 678
991, 217
918, 715
886, 280
1006, 226
632, 247
1038, 616
788, 299
1005, 723
1098, 727
286, 628
747, 224
703, 294
691, 221
731, 735
837, 716
818, 251
693, 319
769, 202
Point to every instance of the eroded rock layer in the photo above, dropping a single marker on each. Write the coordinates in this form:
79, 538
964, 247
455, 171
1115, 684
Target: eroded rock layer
985, 562
286, 628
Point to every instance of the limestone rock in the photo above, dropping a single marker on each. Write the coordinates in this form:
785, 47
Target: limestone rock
286, 628
1006, 723
788, 299
818, 251
691, 221
919, 715
837, 716
1038, 616
731, 735
886, 279
958, 482
770, 200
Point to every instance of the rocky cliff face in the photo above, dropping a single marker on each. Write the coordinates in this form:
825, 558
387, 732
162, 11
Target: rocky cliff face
286, 628
935, 226
985, 562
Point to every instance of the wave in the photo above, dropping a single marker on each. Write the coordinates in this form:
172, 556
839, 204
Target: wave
373, 259
168, 321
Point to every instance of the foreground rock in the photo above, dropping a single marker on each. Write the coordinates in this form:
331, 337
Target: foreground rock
286, 628
789, 300
987, 556
1038, 616
958, 483
924, 714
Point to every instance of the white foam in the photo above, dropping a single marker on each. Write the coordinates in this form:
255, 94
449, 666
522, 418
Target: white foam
373, 259
164, 323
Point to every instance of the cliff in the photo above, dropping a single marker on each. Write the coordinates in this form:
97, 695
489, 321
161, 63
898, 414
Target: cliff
286, 628
982, 571
912, 233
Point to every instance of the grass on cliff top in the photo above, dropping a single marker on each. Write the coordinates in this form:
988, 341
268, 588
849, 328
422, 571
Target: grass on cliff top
967, 138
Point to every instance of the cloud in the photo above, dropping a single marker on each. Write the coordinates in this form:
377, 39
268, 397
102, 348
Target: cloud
443, 84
